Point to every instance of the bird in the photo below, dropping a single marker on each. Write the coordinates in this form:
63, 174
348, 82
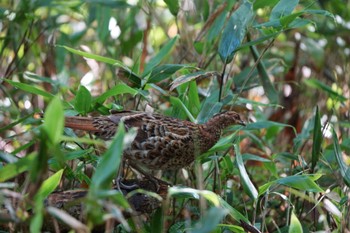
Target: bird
161, 142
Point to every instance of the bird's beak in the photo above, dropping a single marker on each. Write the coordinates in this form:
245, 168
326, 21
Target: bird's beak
242, 123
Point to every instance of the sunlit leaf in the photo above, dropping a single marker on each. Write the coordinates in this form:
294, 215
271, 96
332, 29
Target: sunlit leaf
82, 100
295, 225
54, 120
13, 169
49, 185
173, 6
30, 89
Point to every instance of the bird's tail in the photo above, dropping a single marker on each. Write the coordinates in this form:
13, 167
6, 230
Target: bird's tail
75, 122
81, 123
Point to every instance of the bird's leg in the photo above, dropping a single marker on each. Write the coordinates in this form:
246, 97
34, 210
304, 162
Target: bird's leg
119, 182
152, 178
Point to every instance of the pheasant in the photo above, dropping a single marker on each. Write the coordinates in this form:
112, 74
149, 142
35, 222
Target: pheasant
161, 142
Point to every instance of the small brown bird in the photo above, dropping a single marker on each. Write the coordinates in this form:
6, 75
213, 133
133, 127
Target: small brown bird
161, 142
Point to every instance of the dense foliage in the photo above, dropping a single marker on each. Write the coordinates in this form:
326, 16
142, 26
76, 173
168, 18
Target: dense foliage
282, 64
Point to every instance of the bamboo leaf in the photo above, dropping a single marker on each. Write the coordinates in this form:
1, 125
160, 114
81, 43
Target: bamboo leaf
317, 140
82, 100
30, 88
116, 90
235, 31
344, 169
164, 51
247, 183
54, 120
295, 225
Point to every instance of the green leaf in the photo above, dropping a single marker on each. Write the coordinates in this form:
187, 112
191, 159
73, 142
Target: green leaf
208, 110
38, 218
162, 72
13, 169
173, 6
11, 125
295, 225
110, 162
193, 76
179, 105
83, 100
344, 169
193, 101
264, 3
302, 182
235, 214
133, 77
30, 88
235, 31
265, 125
164, 51
54, 120
321, 86
247, 183
116, 90
283, 8
194, 193
49, 185
94, 56
210, 220
317, 140
287, 20
270, 90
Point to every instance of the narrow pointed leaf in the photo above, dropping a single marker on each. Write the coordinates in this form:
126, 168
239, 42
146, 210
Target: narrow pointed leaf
247, 183
83, 100
344, 169
264, 77
193, 76
164, 51
13, 169
317, 140
283, 8
115, 91
54, 120
295, 225
321, 86
235, 31
301, 182
30, 88
173, 6
49, 185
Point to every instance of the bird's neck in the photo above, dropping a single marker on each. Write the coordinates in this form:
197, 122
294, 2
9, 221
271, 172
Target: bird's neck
210, 132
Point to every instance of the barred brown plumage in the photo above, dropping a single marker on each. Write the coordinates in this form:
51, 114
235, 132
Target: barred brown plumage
161, 142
